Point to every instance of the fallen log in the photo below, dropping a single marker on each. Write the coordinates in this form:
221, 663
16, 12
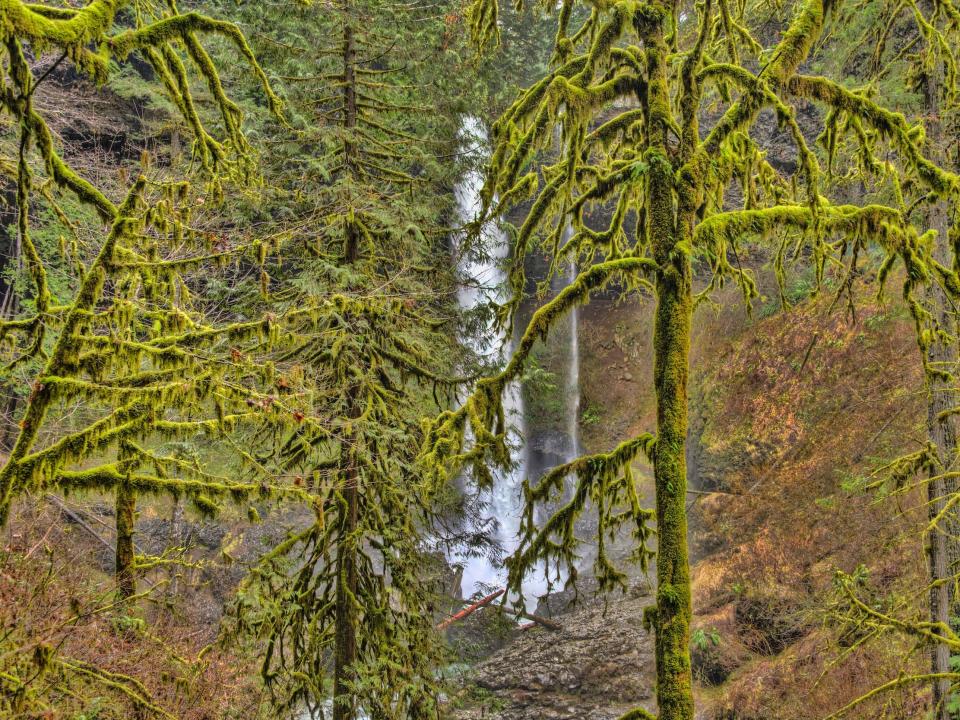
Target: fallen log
470, 609
549, 624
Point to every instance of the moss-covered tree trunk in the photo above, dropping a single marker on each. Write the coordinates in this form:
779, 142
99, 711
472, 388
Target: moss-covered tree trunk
126, 519
345, 653
672, 623
671, 360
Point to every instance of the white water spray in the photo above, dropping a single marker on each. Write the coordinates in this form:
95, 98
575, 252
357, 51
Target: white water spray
573, 379
489, 285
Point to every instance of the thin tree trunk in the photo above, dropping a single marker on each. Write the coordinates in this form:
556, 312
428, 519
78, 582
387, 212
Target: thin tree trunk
939, 543
345, 655
470, 609
943, 551
9, 307
350, 123
126, 519
345, 651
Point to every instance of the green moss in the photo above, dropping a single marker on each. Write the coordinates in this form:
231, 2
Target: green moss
625, 100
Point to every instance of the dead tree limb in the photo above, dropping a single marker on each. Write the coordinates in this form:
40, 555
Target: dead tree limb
470, 609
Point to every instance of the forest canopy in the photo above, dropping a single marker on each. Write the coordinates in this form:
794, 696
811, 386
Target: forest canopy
452, 359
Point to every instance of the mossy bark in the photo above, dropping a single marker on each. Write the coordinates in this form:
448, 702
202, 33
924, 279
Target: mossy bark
126, 520
345, 653
671, 350
671, 360
943, 550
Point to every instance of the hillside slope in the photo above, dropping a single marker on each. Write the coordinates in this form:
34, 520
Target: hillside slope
791, 413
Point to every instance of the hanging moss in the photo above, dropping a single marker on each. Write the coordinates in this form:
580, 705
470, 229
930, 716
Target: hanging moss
625, 98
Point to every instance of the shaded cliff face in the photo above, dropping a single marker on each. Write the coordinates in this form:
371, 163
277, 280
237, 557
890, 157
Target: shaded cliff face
790, 414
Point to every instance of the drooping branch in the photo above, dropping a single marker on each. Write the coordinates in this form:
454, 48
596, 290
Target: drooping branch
606, 480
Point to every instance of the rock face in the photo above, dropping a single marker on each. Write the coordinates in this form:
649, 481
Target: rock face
599, 666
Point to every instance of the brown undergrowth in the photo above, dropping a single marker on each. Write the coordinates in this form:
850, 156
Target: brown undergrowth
797, 410
792, 411
77, 651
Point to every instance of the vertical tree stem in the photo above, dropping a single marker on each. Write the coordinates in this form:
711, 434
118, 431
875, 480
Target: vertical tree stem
126, 520
671, 358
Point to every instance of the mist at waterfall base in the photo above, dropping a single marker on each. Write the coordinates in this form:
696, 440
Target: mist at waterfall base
485, 283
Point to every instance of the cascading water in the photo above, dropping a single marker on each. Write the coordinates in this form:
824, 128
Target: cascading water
488, 284
573, 379
573, 383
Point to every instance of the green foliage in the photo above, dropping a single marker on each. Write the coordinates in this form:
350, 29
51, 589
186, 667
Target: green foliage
591, 415
106, 337
543, 399
705, 639
629, 85
346, 605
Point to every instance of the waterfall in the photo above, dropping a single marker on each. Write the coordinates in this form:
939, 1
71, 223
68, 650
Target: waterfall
573, 379
489, 285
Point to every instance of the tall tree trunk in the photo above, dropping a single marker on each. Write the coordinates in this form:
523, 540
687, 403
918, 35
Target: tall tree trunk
671, 341
126, 519
345, 651
345, 655
671, 350
943, 549
350, 123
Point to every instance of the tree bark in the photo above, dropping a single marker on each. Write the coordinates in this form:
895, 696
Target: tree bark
671, 359
470, 609
9, 307
673, 610
942, 547
351, 245
345, 655
126, 510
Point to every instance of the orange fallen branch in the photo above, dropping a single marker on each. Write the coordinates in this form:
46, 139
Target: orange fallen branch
470, 609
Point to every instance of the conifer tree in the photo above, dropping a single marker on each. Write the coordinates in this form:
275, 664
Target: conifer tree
345, 606
935, 74
919, 42
120, 344
126, 344
629, 88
